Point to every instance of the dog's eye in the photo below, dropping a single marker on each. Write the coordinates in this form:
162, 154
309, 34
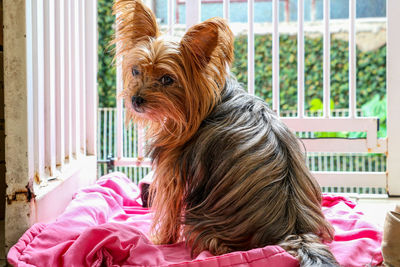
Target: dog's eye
135, 71
166, 80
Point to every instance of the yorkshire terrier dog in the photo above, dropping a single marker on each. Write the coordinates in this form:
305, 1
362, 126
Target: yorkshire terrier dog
228, 174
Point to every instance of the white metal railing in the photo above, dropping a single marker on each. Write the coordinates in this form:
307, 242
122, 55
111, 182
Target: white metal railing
327, 60
300, 59
302, 123
61, 69
275, 56
393, 96
50, 96
316, 161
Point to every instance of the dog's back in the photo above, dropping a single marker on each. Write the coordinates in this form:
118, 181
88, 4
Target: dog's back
247, 185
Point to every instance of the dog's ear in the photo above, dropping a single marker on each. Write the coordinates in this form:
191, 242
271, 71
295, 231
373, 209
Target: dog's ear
135, 22
211, 40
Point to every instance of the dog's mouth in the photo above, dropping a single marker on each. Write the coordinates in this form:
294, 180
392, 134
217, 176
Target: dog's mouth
138, 109
138, 103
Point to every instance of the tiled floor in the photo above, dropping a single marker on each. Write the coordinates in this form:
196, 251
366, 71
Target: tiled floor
376, 209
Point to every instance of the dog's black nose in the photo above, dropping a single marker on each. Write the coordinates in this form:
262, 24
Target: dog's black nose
137, 101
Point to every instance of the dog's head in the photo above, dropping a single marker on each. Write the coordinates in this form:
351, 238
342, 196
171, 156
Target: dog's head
174, 84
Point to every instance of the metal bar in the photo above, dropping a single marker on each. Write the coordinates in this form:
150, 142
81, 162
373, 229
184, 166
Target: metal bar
68, 80
327, 61
351, 179
393, 95
105, 146
250, 47
343, 145
114, 134
125, 141
138, 162
338, 163
300, 59
98, 134
313, 162
119, 122
275, 56
352, 58
140, 142
170, 14
319, 162
369, 163
362, 165
82, 75
30, 93
363, 124
135, 176
351, 165
193, 13
60, 81
109, 131
38, 86
49, 88
135, 140
120, 106
91, 75
75, 97
225, 7
130, 143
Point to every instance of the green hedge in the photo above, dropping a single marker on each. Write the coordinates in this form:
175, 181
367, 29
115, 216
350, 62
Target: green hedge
371, 67
106, 69
371, 70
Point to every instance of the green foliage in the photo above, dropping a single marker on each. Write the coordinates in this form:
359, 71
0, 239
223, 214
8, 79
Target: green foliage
106, 75
371, 70
317, 105
376, 107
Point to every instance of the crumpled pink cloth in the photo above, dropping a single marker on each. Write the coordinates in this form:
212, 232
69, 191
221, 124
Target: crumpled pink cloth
105, 225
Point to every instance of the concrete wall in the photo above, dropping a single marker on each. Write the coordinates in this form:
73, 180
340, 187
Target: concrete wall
2, 143
16, 125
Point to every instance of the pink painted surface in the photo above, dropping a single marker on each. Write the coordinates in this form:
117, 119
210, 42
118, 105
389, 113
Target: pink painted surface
105, 224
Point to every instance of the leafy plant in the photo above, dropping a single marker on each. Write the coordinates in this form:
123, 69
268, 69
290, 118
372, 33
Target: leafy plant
106, 75
376, 107
316, 105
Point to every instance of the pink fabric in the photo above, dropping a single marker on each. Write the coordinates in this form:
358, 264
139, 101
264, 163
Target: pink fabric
105, 225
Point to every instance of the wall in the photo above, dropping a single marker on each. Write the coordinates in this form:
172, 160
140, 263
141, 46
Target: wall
2, 143
16, 124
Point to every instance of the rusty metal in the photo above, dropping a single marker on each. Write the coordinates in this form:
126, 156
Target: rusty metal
21, 195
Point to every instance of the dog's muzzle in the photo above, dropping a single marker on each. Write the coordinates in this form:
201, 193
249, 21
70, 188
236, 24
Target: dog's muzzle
137, 103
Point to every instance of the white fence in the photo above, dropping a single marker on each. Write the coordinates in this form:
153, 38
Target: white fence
62, 83
50, 100
317, 161
351, 176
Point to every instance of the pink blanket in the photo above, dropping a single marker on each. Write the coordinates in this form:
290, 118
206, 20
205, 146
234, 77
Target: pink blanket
105, 225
